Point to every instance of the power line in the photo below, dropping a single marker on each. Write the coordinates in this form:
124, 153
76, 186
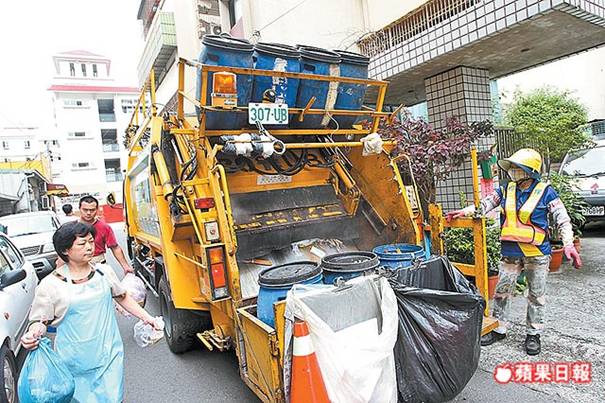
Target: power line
283, 15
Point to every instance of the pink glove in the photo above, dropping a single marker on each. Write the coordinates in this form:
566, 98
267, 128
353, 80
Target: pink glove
452, 215
572, 254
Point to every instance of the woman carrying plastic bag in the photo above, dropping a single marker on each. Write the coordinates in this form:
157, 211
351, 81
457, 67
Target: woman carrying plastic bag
77, 299
44, 378
356, 362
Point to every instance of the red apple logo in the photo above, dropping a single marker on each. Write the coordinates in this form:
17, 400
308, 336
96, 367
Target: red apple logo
503, 373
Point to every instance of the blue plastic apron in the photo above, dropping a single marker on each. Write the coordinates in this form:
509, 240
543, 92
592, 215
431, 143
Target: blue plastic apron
88, 340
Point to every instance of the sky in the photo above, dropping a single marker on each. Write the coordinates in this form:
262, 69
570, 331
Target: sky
31, 31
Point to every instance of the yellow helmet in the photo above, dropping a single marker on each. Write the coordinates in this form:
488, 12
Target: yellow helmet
527, 159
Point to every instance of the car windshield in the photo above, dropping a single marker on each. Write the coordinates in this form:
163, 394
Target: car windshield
585, 162
27, 225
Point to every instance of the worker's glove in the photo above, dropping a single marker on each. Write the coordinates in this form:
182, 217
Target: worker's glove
572, 254
452, 215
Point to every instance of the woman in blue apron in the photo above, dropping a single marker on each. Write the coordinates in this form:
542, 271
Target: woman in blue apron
78, 299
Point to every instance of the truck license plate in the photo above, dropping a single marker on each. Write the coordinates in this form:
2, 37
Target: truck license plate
593, 211
268, 114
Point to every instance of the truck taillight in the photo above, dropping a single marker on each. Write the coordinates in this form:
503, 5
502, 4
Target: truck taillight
218, 274
204, 203
224, 83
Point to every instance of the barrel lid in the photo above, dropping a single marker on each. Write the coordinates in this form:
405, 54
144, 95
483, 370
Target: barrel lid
319, 54
352, 57
277, 49
350, 261
289, 273
226, 41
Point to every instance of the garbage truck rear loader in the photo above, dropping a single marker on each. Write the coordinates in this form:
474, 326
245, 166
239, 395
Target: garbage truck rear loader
208, 209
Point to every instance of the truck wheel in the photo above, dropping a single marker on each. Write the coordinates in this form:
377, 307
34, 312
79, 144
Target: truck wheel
181, 325
8, 375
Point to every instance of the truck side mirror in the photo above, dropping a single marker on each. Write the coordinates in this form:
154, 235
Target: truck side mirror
11, 277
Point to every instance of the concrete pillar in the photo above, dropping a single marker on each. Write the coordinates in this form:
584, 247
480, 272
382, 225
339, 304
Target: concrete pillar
463, 92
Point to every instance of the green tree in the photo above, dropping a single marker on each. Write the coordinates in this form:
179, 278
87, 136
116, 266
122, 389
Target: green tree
549, 120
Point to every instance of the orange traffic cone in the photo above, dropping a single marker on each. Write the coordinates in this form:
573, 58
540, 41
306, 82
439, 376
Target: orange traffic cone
307, 384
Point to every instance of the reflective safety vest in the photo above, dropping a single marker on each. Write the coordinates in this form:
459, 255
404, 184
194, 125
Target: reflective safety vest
517, 226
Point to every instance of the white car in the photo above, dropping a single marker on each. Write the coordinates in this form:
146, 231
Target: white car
588, 168
33, 235
18, 283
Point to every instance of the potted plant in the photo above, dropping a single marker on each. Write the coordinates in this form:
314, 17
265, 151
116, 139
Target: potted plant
564, 186
460, 248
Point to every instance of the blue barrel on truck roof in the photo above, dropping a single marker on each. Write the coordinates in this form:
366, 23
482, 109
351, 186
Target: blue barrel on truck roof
278, 57
398, 255
276, 281
317, 61
223, 50
350, 96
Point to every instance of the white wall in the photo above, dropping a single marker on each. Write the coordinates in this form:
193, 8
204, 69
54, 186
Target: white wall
583, 75
15, 138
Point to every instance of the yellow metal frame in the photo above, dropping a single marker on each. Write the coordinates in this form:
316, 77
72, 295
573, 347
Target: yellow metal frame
478, 270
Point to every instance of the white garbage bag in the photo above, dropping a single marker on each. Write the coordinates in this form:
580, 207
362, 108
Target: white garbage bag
356, 361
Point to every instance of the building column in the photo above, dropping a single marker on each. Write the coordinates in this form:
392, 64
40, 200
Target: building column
463, 92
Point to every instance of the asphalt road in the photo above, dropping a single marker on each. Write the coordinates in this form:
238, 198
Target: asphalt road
155, 375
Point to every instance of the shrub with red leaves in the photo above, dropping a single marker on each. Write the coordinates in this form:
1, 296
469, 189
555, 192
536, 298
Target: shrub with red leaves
434, 153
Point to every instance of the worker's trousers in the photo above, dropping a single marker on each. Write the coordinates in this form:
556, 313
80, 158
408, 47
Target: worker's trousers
536, 270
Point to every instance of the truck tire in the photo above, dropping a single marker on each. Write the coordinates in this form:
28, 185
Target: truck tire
181, 325
8, 376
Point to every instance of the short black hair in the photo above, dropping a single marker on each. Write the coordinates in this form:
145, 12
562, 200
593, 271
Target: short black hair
67, 208
66, 235
88, 199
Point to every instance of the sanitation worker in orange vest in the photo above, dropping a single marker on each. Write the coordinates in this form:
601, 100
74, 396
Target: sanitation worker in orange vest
526, 203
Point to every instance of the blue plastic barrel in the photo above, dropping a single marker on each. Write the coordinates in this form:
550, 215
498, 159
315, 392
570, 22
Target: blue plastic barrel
277, 280
350, 96
398, 255
347, 265
278, 57
316, 61
223, 50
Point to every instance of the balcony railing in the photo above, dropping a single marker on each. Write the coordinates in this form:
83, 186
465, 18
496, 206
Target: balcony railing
110, 147
159, 48
107, 117
424, 17
114, 177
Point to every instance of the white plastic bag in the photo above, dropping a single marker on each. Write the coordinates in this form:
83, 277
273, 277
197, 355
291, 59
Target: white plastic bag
357, 363
145, 334
135, 287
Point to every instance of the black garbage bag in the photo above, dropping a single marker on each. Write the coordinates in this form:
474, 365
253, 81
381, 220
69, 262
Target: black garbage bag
440, 317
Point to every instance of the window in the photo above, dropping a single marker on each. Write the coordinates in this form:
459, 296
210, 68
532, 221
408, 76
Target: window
77, 135
83, 70
5, 145
113, 171
81, 165
72, 102
55, 142
27, 144
4, 266
110, 140
106, 110
72, 70
95, 73
11, 253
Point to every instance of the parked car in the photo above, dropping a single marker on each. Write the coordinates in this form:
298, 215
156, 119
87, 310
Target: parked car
33, 234
18, 282
588, 167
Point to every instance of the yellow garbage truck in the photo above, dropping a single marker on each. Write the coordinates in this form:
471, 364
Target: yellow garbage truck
209, 208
